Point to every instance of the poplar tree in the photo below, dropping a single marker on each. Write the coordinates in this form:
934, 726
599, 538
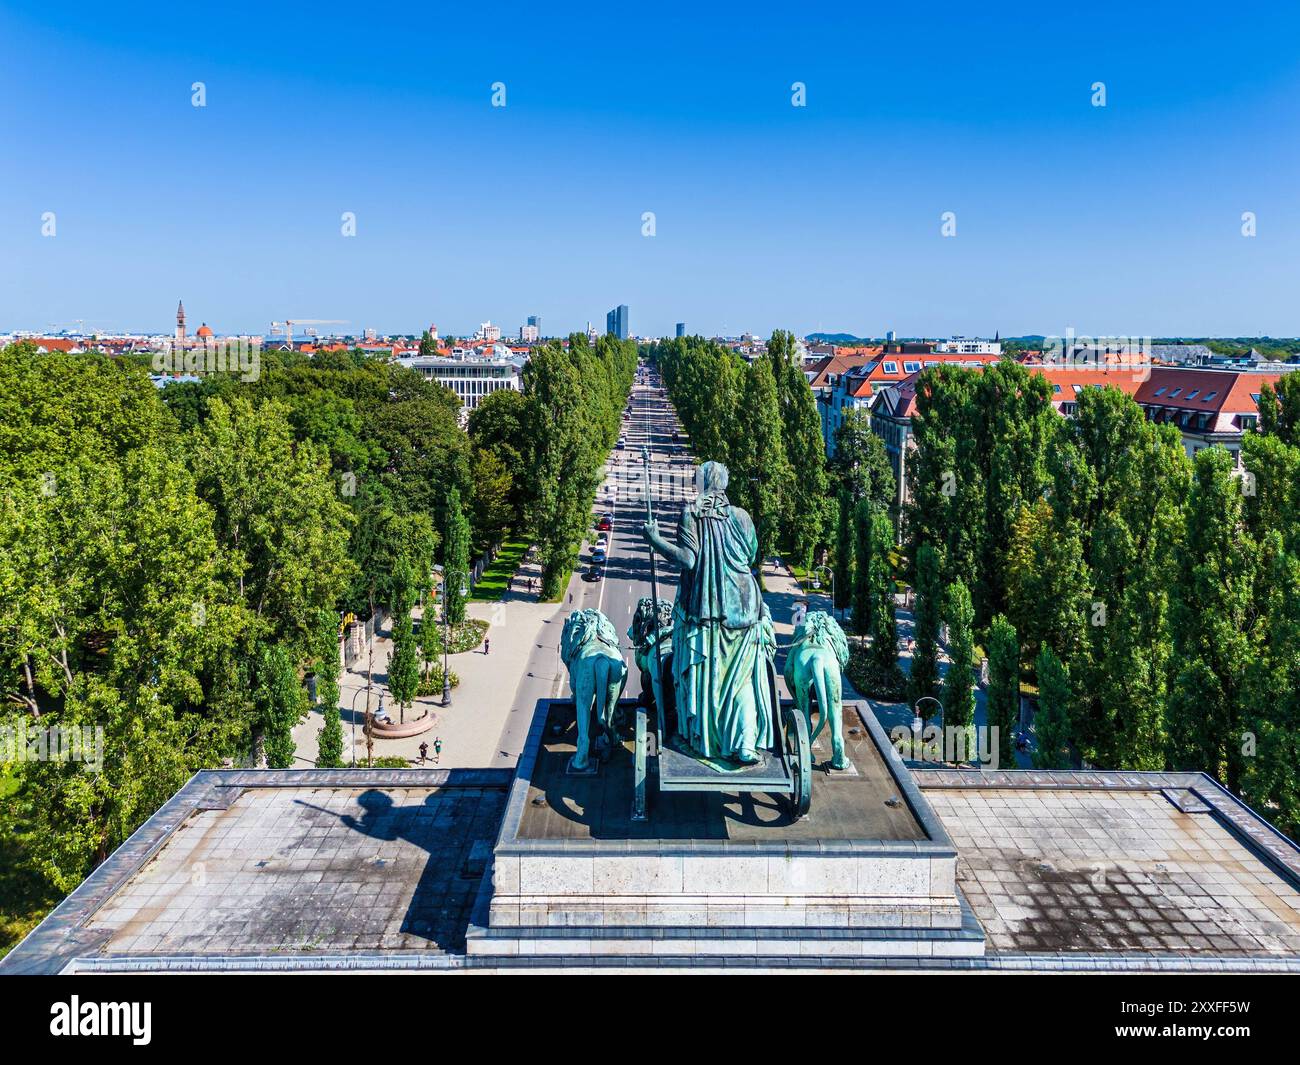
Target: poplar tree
944, 492
842, 563
959, 682
1052, 720
329, 749
1213, 600
563, 469
455, 560
761, 476
863, 549
403, 664
1120, 484
281, 703
880, 580
1279, 409
1271, 733
861, 463
924, 677
1003, 706
980, 439
806, 505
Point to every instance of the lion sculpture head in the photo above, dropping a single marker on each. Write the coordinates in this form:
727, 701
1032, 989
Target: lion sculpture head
642, 621
819, 629
583, 626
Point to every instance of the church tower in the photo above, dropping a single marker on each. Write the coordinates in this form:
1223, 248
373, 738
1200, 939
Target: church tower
180, 323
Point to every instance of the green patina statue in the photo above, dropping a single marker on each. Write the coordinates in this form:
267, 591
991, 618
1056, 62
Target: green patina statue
722, 638
597, 674
813, 666
652, 638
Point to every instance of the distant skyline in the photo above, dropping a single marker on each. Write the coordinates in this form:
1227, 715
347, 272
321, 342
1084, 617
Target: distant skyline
1125, 219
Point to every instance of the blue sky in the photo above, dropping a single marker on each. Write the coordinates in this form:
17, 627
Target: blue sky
1117, 220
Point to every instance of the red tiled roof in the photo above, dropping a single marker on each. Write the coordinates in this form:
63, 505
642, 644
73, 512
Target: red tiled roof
836, 365
877, 370
1201, 390
1213, 391
1067, 380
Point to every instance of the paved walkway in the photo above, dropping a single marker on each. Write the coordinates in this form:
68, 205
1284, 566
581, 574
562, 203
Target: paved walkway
492, 707
481, 704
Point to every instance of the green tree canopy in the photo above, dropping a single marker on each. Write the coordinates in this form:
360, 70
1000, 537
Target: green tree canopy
923, 679
1004, 688
1052, 719
959, 682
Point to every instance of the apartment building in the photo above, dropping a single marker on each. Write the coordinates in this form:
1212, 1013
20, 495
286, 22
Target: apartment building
1208, 407
857, 387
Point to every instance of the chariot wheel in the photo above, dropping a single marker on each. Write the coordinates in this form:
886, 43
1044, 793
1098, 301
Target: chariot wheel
798, 760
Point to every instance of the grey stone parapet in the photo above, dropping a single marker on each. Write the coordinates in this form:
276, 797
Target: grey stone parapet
63, 934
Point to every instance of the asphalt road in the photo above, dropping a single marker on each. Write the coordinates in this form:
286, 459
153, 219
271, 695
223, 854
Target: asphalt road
625, 572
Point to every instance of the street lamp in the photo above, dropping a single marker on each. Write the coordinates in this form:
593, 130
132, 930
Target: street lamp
918, 722
446, 644
817, 581
360, 691
446, 638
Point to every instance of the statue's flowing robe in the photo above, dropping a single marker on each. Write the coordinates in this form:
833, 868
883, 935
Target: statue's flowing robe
720, 638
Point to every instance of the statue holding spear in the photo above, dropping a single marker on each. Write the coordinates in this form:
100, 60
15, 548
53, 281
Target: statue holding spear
722, 634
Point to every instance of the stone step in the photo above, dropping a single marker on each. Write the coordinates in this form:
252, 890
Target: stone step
729, 941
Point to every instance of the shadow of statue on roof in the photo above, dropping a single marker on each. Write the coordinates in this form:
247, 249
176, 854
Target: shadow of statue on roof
453, 826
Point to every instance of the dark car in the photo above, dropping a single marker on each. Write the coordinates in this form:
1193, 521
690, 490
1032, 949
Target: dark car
593, 574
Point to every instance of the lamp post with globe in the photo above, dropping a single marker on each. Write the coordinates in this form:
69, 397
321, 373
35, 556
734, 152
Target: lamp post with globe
816, 575
918, 722
446, 643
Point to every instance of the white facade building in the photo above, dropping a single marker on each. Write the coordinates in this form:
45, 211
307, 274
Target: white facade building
470, 378
969, 346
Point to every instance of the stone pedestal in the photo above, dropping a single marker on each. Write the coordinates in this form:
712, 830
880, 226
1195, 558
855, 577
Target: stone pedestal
870, 872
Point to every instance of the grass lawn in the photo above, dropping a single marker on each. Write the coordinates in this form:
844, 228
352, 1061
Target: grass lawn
464, 637
496, 578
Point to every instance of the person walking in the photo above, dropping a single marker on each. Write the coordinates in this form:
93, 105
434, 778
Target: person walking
424, 752
437, 749
487, 644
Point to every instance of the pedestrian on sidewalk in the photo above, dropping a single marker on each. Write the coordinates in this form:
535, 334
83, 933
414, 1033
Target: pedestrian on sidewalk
437, 749
487, 644
424, 752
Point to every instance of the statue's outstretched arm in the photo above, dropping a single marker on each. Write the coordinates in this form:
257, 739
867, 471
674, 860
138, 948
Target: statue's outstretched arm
683, 556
